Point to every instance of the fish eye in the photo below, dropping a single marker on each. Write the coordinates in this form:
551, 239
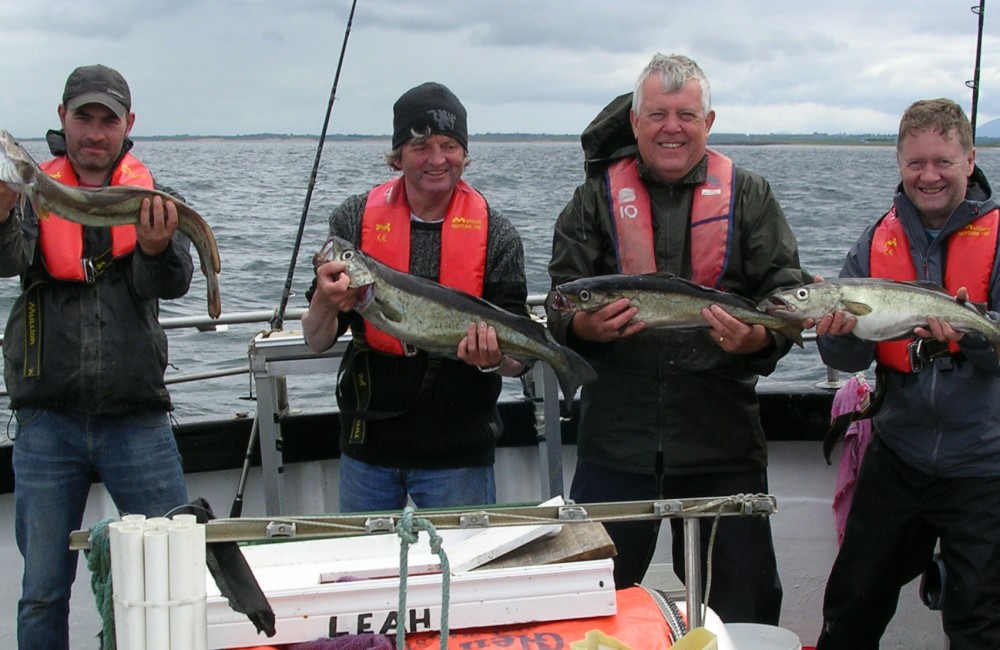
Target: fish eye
584, 295
347, 255
802, 293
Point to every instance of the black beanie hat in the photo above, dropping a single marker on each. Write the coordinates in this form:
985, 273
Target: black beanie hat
429, 106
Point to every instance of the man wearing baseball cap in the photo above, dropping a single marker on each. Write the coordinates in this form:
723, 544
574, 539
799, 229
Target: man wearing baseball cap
85, 354
415, 425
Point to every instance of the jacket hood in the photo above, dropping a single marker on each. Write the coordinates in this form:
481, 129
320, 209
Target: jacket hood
609, 136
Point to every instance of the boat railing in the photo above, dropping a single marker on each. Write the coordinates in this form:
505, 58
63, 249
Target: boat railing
273, 355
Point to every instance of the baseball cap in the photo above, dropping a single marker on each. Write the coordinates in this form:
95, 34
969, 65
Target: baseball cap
97, 84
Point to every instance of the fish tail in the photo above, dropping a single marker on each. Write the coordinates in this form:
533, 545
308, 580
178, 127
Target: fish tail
214, 296
573, 373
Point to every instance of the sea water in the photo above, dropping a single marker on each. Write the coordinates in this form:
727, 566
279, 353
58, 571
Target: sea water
253, 194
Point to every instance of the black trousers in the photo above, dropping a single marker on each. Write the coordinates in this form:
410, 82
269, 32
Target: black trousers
744, 582
897, 517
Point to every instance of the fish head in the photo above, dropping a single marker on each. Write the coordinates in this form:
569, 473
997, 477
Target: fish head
17, 168
806, 301
580, 295
359, 266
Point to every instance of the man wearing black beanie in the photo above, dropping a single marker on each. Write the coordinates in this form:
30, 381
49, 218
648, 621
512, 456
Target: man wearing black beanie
414, 425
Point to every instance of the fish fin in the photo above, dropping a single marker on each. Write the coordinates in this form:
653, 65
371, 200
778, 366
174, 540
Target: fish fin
857, 308
388, 312
928, 285
793, 330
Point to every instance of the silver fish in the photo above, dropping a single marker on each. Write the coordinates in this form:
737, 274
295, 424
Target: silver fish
885, 309
105, 207
664, 301
435, 318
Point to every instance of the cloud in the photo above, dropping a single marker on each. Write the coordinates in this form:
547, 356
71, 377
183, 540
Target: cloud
249, 66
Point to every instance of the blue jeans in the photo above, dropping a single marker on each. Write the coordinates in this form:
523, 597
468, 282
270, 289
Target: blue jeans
370, 488
55, 455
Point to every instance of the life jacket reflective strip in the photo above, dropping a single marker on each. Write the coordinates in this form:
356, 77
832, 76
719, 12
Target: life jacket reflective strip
711, 219
62, 240
968, 263
385, 235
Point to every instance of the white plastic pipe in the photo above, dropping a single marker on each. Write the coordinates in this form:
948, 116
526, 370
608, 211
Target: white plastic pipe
126, 542
157, 572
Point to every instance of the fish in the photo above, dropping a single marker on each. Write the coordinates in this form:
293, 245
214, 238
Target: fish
886, 310
664, 301
105, 207
432, 317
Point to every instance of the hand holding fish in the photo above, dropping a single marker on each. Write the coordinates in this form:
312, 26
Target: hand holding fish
333, 287
610, 322
837, 323
156, 225
941, 329
732, 334
481, 348
333, 295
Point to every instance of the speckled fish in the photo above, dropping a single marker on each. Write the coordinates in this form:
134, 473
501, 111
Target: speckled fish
885, 309
664, 301
435, 318
105, 207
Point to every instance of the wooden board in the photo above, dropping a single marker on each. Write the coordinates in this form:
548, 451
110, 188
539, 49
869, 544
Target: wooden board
574, 543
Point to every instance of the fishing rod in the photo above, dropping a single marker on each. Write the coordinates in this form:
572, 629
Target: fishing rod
279, 315
974, 84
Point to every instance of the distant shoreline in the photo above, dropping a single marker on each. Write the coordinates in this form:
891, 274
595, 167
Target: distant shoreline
847, 139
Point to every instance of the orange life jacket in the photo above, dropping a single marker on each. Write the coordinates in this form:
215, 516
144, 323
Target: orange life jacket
711, 219
385, 235
968, 264
62, 240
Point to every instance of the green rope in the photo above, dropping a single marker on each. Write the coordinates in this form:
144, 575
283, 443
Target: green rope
99, 562
408, 532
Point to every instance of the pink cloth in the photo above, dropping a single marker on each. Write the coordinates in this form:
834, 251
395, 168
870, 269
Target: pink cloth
849, 398
347, 642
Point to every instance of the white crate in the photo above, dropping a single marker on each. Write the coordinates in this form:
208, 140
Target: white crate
482, 598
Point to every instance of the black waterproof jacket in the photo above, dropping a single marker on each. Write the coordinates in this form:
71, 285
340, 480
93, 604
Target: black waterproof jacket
669, 390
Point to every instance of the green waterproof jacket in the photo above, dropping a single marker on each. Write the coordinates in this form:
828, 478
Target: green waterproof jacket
673, 390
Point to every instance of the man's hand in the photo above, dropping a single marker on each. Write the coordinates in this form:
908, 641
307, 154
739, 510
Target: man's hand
939, 329
157, 224
732, 334
608, 323
333, 290
333, 295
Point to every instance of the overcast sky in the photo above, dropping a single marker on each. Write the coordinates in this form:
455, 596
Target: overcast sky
534, 66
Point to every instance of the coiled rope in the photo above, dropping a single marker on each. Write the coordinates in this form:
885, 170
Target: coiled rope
99, 562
